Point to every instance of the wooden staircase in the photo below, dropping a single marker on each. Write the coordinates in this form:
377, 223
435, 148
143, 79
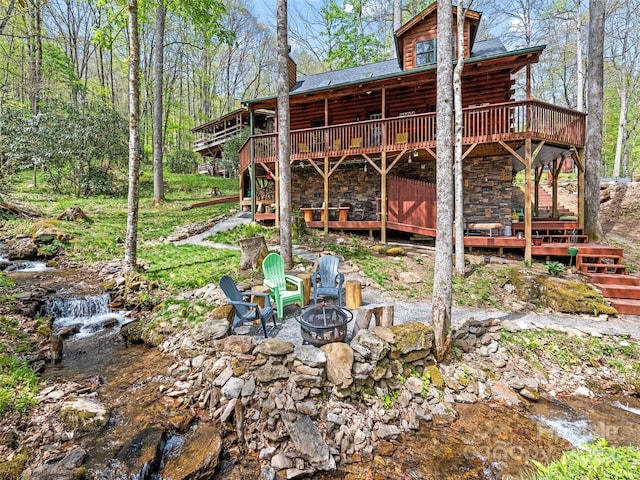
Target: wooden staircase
608, 274
603, 265
545, 204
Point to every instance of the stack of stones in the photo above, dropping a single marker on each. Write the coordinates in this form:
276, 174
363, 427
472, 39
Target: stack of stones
306, 408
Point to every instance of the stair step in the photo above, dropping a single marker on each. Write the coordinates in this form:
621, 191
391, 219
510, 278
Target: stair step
599, 257
613, 279
602, 268
612, 292
626, 306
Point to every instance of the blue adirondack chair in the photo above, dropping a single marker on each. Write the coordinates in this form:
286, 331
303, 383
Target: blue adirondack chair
277, 281
327, 281
247, 311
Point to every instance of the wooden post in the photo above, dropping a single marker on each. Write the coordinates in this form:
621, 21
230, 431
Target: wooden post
306, 287
258, 299
353, 294
527, 200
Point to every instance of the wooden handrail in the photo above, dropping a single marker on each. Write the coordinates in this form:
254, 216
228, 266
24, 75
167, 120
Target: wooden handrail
483, 124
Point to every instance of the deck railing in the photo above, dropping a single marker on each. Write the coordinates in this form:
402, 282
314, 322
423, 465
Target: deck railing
483, 124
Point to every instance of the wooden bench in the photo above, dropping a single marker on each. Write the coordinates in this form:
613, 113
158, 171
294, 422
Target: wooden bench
485, 226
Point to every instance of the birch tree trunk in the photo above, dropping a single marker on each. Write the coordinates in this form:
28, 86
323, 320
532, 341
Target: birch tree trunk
458, 171
593, 144
130, 254
158, 74
284, 180
441, 303
622, 124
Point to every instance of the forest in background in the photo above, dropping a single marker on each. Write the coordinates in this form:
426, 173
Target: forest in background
63, 72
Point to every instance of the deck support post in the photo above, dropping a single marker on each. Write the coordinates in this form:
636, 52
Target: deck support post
326, 195
383, 198
536, 192
277, 193
527, 200
555, 172
252, 170
578, 158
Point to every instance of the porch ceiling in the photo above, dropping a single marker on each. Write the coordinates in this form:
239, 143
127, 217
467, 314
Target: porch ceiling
547, 154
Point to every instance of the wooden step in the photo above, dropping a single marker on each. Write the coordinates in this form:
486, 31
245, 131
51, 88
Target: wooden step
599, 257
614, 292
626, 306
586, 267
613, 279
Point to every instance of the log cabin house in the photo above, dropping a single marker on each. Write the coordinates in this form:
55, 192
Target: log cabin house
363, 143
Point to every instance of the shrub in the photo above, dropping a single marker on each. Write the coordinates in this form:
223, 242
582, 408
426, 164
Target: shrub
182, 161
555, 268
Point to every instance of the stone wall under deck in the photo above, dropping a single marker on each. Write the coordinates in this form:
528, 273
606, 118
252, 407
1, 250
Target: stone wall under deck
487, 187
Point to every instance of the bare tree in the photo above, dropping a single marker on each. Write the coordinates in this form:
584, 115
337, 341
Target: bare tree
625, 53
158, 90
458, 131
441, 303
593, 145
131, 241
284, 170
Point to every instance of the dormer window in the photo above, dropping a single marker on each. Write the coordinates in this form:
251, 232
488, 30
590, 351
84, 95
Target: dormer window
426, 52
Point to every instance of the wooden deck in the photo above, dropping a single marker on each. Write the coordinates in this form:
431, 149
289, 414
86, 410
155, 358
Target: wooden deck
506, 122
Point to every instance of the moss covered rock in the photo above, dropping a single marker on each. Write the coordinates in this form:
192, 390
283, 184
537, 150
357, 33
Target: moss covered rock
567, 296
83, 415
411, 337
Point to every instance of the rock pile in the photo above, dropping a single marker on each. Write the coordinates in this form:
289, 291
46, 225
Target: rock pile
306, 408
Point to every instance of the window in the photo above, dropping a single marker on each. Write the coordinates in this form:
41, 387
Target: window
426, 52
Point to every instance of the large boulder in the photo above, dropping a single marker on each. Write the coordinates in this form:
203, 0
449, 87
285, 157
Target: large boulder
22, 248
308, 441
412, 341
197, 458
83, 415
339, 363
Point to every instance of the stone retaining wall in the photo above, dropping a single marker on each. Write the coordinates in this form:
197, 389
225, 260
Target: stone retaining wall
305, 408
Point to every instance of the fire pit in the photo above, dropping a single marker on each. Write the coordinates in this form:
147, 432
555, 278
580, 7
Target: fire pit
323, 323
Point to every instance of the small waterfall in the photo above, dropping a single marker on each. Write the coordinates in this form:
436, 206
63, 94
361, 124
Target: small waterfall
82, 314
21, 266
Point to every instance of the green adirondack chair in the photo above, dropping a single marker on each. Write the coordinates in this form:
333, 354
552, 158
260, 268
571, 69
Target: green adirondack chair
278, 281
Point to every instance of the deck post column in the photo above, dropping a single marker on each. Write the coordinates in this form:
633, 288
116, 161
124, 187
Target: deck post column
536, 191
252, 170
383, 198
555, 172
578, 158
326, 195
277, 193
527, 200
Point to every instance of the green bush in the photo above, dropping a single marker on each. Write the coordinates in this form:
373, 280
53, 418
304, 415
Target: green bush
97, 181
555, 268
182, 161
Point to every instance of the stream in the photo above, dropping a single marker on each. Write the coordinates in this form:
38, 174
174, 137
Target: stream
487, 441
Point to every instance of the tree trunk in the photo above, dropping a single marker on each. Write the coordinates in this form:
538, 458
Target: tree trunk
130, 254
284, 180
579, 59
441, 304
158, 73
253, 250
397, 19
459, 119
593, 145
622, 125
